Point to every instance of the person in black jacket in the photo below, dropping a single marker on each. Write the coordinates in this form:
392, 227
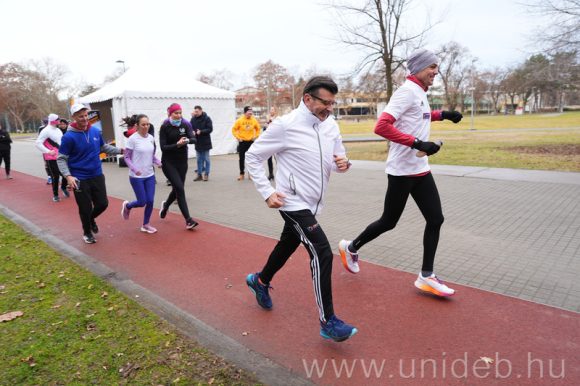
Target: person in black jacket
202, 128
5, 148
174, 136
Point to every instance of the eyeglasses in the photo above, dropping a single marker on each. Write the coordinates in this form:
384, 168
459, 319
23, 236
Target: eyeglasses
324, 101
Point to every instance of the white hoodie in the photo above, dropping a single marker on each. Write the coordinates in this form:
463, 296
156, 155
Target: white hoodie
305, 148
49, 132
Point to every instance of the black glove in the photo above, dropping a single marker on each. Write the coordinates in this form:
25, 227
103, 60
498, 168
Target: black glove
453, 116
429, 148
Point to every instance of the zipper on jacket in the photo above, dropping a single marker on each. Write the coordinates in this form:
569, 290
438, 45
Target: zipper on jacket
315, 127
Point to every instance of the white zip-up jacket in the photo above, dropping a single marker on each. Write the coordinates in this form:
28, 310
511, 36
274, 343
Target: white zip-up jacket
305, 148
49, 132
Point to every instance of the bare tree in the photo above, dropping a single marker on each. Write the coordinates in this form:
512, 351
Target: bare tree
511, 86
373, 85
456, 71
275, 81
218, 78
113, 75
16, 87
492, 82
563, 31
377, 29
565, 75
50, 84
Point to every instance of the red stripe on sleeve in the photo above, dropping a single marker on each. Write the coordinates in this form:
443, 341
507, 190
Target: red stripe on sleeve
386, 129
436, 115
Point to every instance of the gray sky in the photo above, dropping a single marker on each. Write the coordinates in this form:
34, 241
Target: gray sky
207, 35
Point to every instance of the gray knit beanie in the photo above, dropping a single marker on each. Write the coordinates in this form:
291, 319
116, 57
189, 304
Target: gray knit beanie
420, 59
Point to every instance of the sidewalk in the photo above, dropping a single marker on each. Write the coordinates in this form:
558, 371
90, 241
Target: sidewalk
518, 238
196, 279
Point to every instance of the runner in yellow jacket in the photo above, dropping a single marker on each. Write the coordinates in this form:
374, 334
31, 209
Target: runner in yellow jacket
246, 129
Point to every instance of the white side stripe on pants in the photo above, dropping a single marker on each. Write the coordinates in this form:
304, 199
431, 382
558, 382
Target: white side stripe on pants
314, 266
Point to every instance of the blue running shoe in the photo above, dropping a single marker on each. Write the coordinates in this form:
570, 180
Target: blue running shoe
336, 329
260, 290
65, 192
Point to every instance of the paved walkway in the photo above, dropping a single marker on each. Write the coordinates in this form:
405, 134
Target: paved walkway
520, 238
514, 232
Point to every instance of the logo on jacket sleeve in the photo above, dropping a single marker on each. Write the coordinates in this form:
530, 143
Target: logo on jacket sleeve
426, 115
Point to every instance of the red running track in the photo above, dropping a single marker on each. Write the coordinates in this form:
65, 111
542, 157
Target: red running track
410, 338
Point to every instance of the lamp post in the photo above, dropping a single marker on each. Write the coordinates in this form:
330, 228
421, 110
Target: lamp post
472, 92
123, 63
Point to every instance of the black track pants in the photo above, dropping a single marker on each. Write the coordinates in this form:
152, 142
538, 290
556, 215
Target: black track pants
92, 200
243, 147
55, 175
302, 227
176, 171
5, 156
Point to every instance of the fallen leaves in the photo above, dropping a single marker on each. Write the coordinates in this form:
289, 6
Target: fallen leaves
30, 360
10, 316
128, 369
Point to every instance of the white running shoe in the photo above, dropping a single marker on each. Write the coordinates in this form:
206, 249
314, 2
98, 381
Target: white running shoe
349, 259
125, 211
433, 285
148, 229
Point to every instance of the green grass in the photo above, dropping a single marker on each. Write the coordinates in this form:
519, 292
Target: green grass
536, 150
511, 148
77, 329
482, 122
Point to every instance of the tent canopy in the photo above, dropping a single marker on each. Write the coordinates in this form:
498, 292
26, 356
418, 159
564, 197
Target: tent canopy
156, 83
150, 91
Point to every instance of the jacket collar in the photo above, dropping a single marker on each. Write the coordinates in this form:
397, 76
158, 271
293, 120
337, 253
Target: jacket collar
307, 114
416, 80
73, 127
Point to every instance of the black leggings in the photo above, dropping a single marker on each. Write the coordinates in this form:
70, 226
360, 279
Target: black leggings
5, 155
176, 171
243, 147
91, 197
54, 175
424, 192
301, 226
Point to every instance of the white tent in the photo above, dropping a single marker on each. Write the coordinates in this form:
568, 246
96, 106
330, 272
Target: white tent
150, 92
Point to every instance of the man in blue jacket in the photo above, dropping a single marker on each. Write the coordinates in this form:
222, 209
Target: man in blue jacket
79, 162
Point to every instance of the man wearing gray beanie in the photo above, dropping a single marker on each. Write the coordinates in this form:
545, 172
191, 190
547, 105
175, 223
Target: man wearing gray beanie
406, 122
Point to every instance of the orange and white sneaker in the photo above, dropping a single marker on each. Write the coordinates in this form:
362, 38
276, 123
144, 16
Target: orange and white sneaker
433, 285
349, 259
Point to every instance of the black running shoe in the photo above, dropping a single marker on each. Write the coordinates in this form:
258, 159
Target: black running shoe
89, 239
163, 211
94, 227
190, 224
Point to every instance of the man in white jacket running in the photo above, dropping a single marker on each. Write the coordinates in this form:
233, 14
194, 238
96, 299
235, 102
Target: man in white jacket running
308, 146
48, 142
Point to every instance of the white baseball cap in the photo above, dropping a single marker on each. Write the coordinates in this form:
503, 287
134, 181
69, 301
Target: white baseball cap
52, 118
77, 107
